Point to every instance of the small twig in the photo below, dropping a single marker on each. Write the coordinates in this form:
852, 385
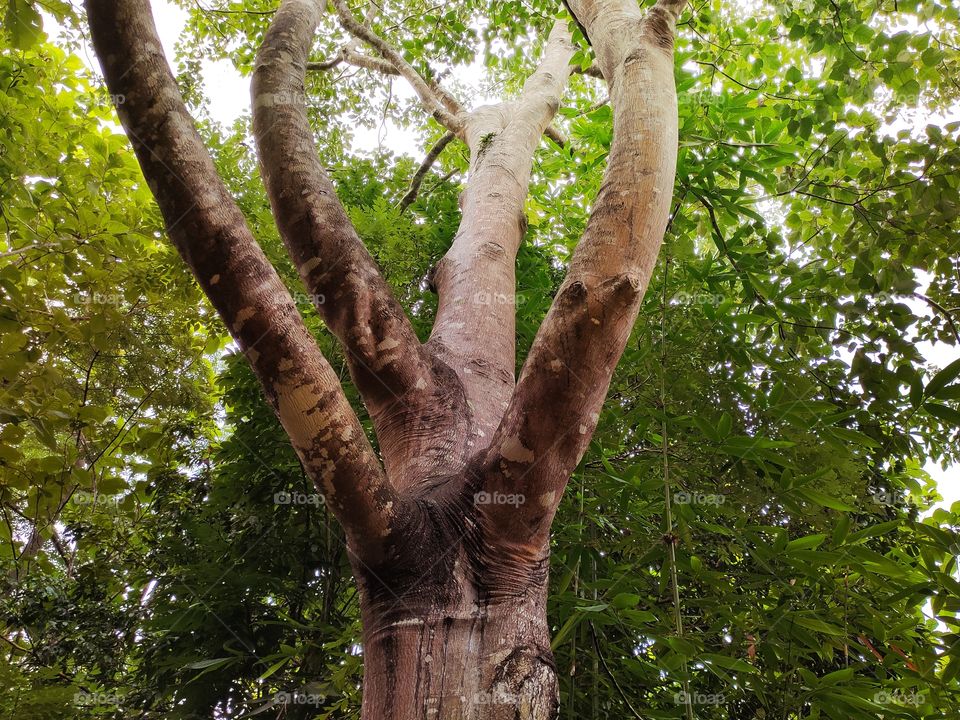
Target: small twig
436, 100
422, 171
613, 679
940, 309
732, 79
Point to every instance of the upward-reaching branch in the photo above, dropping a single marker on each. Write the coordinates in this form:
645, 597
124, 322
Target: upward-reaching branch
211, 235
475, 328
555, 407
392, 370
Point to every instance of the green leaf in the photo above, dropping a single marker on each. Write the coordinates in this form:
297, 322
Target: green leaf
625, 600
950, 392
841, 529
819, 498
594, 608
811, 623
805, 543
725, 425
943, 412
23, 23
837, 676
728, 663
211, 663
943, 378
273, 668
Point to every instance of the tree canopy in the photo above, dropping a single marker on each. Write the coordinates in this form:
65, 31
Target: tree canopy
751, 532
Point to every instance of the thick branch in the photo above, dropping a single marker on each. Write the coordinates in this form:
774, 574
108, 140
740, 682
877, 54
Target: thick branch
210, 233
555, 407
385, 356
474, 331
392, 370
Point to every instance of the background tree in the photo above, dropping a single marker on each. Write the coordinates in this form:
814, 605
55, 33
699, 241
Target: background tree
798, 592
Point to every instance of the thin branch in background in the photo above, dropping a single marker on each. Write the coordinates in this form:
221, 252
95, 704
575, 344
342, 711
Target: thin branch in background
591, 70
613, 679
435, 99
424, 168
940, 309
732, 79
558, 137
668, 511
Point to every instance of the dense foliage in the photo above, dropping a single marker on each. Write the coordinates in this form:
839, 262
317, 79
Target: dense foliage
752, 524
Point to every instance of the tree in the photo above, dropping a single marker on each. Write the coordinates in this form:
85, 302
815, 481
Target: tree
474, 463
801, 594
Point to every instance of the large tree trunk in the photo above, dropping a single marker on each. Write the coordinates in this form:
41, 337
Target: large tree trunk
449, 535
454, 635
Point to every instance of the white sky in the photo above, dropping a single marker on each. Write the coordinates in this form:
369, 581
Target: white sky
229, 96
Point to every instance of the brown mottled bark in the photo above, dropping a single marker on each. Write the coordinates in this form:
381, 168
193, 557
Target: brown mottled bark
212, 236
398, 379
450, 539
554, 410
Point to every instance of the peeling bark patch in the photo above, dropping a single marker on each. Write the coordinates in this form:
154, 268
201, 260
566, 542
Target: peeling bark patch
294, 403
528, 678
241, 317
310, 265
514, 451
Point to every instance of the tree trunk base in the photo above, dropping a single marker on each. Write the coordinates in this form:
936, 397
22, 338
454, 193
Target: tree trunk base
462, 636
461, 667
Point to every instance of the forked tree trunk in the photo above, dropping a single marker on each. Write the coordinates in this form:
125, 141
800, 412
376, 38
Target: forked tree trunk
452, 632
448, 535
